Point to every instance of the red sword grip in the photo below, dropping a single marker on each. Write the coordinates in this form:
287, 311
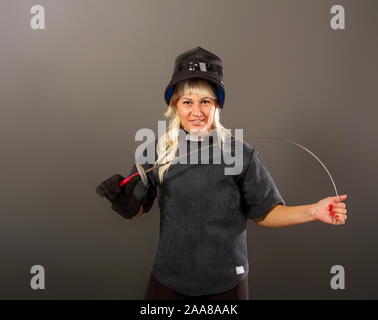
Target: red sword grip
126, 180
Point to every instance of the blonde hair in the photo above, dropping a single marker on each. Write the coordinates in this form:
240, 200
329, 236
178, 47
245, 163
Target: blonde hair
168, 144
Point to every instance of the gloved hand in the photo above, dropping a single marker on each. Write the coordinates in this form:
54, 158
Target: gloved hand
122, 198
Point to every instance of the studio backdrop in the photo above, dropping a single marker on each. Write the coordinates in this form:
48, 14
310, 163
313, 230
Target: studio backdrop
78, 79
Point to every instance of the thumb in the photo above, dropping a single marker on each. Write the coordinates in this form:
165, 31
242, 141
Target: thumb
339, 198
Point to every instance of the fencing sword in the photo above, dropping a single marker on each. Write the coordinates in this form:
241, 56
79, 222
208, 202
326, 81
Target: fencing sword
143, 173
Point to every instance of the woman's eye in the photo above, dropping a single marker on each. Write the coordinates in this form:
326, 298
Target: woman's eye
188, 102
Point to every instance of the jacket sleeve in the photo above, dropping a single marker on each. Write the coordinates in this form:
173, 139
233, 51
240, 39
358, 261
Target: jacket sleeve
259, 193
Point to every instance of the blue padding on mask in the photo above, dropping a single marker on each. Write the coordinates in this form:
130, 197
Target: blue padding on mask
220, 94
169, 93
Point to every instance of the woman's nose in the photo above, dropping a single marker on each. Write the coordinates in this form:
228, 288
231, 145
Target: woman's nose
197, 110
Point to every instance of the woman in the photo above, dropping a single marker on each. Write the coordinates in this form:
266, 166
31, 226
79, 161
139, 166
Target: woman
202, 252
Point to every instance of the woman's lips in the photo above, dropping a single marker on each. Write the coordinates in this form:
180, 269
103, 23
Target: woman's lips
198, 122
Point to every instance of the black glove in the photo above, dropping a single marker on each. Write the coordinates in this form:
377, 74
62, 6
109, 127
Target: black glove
122, 198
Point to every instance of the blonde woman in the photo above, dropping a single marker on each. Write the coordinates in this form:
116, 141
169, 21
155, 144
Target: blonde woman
202, 251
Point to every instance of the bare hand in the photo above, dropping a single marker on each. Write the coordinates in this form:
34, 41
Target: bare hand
330, 210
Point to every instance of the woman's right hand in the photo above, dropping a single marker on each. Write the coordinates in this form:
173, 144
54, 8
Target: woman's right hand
110, 188
122, 198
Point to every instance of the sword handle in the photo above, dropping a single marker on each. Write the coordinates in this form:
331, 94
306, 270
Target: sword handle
126, 180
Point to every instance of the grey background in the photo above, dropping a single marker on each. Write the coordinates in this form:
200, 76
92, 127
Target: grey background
73, 96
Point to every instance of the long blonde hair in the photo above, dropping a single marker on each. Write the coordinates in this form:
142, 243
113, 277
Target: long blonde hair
168, 144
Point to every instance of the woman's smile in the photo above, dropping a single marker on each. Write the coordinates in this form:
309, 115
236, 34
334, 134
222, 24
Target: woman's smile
198, 122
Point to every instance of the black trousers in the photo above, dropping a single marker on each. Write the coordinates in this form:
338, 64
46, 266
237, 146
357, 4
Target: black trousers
157, 291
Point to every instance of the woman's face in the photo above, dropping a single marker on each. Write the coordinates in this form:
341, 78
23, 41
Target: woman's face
196, 112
